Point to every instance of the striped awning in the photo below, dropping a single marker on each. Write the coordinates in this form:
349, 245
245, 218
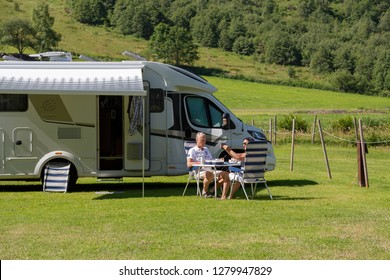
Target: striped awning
100, 78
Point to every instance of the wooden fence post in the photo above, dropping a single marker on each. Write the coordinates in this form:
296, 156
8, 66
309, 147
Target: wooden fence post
270, 130
356, 129
363, 153
313, 133
292, 146
324, 149
275, 128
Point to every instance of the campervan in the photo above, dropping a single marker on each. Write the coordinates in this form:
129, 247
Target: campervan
109, 119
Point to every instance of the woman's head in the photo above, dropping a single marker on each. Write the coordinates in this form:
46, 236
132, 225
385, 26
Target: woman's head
246, 141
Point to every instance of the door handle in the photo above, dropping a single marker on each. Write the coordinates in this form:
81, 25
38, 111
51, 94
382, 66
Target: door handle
18, 142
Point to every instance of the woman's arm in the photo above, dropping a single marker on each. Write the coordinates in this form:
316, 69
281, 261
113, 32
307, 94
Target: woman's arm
233, 154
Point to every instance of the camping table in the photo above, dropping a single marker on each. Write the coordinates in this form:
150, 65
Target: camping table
215, 166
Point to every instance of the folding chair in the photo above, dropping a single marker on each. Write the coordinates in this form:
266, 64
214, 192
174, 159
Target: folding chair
193, 171
56, 177
253, 169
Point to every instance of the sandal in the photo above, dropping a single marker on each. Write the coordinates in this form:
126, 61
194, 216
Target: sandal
207, 195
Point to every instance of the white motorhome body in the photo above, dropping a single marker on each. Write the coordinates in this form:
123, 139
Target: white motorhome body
108, 119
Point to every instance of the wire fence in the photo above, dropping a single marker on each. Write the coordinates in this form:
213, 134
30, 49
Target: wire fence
358, 140
273, 133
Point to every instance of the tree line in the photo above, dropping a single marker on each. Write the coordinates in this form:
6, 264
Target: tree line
348, 40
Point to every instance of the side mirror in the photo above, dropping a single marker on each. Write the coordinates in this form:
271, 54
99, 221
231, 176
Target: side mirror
225, 121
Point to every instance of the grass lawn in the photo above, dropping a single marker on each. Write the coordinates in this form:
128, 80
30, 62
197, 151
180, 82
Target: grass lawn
311, 216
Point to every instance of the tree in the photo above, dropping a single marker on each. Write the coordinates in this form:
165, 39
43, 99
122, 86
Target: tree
136, 17
279, 46
205, 26
173, 44
93, 12
243, 45
322, 61
46, 37
18, 33
381, 71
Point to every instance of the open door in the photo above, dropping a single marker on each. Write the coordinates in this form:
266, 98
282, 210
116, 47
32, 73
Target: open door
110, 132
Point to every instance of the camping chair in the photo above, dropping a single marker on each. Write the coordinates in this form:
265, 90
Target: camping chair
253, 169
193, 171
56, 177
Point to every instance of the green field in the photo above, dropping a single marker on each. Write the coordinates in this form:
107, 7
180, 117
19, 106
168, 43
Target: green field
311, 216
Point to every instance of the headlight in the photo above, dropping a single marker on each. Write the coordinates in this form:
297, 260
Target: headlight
257, 134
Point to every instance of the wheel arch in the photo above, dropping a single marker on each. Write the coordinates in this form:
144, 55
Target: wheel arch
59, 156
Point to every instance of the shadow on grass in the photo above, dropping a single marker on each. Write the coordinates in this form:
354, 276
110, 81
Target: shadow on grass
291, 183
205, 70
155, 189
126, 190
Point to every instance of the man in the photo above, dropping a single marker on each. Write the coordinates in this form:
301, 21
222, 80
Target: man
195, 155
238, 157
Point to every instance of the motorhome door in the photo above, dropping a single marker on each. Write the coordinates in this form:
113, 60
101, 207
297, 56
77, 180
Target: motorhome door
110, 132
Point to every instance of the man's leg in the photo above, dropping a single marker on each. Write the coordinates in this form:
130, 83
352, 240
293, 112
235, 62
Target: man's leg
208, 178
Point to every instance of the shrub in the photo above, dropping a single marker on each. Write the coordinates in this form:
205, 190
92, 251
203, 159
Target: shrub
287, 121
344, 124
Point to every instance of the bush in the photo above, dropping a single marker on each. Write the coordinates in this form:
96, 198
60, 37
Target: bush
287, 122
344, 124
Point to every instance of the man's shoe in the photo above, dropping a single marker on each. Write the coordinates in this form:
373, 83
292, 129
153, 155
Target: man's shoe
206, 194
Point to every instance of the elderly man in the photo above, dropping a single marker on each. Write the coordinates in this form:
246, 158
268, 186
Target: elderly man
195, 154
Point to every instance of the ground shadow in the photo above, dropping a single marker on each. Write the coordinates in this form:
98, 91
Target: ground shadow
107, 190
204, 71
291, 183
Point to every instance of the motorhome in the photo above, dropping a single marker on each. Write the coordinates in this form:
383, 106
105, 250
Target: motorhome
109, 119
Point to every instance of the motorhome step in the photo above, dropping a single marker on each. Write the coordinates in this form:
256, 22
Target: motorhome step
109, 179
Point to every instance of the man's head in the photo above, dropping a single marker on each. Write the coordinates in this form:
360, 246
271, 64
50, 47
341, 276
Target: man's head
200, 139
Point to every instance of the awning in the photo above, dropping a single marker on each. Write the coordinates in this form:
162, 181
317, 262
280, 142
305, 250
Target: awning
75, 78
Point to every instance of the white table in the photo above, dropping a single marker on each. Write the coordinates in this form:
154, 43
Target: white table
214, 166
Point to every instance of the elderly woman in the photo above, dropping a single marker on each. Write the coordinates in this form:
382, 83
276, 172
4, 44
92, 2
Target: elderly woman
239, 157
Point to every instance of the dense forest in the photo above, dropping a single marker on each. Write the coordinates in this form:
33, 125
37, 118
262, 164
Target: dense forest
346, 38
347, 41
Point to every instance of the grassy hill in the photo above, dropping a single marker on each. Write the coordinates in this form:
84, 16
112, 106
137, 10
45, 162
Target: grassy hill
106, 44
248, 100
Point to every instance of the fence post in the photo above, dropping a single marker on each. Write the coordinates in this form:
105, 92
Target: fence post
275, 128
270, 130
314, 129
356, 129
292, 146
363, 154
324, 149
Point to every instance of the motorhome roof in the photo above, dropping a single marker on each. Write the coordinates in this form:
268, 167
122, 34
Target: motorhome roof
120, 78
70, 78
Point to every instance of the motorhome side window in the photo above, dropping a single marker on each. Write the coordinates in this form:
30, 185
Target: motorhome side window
13, 102
203, 113
156, 100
